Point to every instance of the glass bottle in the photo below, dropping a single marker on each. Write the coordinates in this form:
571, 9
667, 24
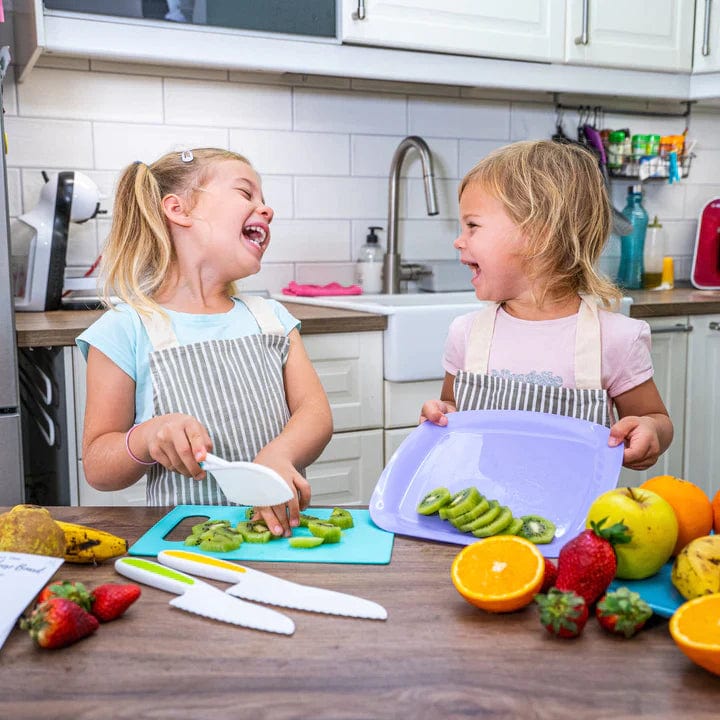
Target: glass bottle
653, 255
630, 274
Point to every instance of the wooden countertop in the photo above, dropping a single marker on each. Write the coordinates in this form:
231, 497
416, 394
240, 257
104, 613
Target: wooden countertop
436, 656
61, 327
679, 301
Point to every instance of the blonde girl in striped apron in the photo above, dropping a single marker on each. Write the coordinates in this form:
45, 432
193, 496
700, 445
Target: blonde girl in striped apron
183, 365
535, 217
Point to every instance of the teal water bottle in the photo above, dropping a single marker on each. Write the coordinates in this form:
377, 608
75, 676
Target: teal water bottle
630, 273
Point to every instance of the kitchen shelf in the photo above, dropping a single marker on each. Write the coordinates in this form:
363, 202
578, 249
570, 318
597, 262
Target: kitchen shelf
653, 167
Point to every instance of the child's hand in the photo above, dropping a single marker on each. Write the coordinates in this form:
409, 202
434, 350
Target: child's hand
177, 442
280, 519
435, 411
642, 443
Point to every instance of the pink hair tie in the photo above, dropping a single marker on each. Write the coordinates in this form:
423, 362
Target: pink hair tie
131, 453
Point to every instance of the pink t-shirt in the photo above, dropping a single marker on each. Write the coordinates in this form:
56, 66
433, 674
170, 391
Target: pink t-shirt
543, 351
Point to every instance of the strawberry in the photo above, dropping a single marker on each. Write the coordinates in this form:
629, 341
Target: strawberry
550, 575
622, 612
111, 600
74, 591
587, 564
562, 614
58, 622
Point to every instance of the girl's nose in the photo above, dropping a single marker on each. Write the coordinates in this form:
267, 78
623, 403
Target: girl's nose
458, 242
267, 212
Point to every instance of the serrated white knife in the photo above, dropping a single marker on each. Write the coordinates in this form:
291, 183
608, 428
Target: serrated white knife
261, 587
201, 598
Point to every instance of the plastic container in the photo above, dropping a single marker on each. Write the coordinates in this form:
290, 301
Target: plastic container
370, 263
616, 149
630, 274
653, 255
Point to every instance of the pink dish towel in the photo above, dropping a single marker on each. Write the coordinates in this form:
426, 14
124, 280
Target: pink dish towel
321, 290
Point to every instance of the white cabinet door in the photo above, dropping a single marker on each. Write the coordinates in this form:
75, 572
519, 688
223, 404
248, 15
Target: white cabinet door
706, 48
132, 496
669, 357
638, 34
516, 29
702, 419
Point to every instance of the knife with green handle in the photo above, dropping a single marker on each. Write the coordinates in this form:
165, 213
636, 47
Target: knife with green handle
203, 599
261, 587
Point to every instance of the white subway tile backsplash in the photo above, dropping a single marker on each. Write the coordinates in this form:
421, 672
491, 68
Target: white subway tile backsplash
278, 192
293, 153
705, 128
82, 245
470, 152
322, 273
272, 277
705, 166
341, 198
118, 144
531, 121
226, 104
372, 155
680, 237
439, 117
664, 200
330, 111
447, 200
91, 96
697, 196
49, 143
309, 241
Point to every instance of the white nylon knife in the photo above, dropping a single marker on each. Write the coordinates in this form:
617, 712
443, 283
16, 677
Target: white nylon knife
247, 483
262, 587
201, 598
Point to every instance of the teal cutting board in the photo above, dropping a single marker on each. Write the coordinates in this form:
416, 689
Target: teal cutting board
364, 544
657, 591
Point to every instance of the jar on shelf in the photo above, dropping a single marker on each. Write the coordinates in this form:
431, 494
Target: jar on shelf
616, 149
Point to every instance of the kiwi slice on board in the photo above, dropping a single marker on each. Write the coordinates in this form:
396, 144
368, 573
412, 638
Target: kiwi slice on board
513, 528
305, 542
254, 532
209, 525
485, 519
480, 509
342, 518
537, 529
434, 501
305, 519
193, 540
503, 519
327, 531
462, 502
220, 544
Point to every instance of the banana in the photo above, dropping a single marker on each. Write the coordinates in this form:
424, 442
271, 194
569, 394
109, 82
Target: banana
696, 570
89, 545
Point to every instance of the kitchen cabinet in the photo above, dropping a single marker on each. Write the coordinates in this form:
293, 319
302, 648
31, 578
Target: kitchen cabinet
706, 46
530, 30
638, 34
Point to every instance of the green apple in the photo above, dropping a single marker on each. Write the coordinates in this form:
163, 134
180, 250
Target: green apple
652, 524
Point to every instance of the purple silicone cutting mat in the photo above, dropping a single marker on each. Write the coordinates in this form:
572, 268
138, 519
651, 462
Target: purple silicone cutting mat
535, 463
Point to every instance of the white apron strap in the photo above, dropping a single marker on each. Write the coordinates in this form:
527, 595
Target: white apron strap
477, 355
264, 314
588, 346
159, 330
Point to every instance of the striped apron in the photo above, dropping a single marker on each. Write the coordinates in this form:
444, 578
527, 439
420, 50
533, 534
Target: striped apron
233, 387
475, 389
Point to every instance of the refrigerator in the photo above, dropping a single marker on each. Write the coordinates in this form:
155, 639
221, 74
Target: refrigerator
12, 486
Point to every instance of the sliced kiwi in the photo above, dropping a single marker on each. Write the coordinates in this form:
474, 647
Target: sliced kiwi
209, 525
220, 544
503, 519
327, 531
462, 502
485, 519
193, 540
482, 507
305, 542
305, 519
435, 500
537, 529
254, 532
342, 518
513, 528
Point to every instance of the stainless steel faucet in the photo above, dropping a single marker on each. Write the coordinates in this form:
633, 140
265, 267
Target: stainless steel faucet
393, 269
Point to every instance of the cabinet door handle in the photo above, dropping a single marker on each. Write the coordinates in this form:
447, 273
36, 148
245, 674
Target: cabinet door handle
714, 325
359, 14
706, 29
583, 38
679, 328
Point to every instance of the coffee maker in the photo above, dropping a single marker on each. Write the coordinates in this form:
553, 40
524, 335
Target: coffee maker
39, 238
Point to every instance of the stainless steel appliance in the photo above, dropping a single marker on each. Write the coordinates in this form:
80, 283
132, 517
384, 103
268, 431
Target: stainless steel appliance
12, 489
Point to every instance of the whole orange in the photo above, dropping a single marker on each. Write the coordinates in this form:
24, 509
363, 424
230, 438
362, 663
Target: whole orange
692, 507
716, 513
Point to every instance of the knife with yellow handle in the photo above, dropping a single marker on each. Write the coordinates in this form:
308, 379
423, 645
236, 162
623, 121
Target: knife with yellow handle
261, 587
200, 598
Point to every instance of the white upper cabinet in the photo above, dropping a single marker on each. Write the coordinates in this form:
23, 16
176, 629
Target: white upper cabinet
706, 52
518, 29
638, 34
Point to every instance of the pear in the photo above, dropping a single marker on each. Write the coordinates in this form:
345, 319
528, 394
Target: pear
31, 529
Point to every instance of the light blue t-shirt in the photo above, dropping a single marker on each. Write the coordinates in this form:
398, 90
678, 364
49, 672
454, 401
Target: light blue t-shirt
120, 335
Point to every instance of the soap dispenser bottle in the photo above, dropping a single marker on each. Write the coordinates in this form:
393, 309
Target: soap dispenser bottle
370, 263
630, 274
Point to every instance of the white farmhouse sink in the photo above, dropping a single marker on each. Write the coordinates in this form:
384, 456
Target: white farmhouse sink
417, 327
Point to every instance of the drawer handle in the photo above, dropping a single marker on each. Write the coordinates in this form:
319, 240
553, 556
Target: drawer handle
706, 29
674, 329
359, 14
584, 37
714, 325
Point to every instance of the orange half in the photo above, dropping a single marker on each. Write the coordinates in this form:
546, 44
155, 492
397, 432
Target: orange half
695, 628
499, 574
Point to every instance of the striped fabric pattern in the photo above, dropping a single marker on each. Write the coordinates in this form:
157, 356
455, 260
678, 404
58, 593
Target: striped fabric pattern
235, 389
475, 391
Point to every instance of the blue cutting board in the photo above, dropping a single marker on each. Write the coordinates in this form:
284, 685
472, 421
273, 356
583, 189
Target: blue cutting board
657, 591
364, 544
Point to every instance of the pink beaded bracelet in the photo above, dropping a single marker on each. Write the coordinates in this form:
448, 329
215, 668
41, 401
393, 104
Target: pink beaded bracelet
131, 453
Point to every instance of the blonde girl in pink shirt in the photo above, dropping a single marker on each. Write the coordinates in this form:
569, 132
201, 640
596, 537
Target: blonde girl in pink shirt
535, 217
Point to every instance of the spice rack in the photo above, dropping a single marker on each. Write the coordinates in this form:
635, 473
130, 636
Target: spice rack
655, 167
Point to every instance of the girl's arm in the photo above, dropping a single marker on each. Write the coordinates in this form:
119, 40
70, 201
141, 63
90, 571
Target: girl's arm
173, 440
436, 410
303, 438
644, 426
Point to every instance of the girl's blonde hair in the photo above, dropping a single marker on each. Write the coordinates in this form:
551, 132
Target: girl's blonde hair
139, 252
556, 195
